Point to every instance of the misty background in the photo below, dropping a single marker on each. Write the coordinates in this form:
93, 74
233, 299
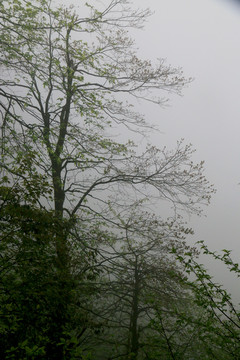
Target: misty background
202, 37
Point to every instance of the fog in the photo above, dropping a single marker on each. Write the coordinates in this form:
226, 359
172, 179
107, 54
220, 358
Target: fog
202, 37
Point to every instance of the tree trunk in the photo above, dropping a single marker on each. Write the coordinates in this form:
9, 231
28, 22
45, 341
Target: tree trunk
134, 315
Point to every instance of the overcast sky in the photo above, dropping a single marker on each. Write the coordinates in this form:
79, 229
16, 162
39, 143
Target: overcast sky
203, 38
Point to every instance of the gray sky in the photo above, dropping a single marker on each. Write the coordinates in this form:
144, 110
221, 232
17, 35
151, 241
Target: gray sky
203, 38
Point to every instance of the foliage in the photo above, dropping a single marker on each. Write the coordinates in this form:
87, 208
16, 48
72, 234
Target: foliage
35, 293
219, 324
25, 251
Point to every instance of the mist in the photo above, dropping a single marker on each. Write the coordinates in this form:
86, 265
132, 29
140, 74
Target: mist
203, 39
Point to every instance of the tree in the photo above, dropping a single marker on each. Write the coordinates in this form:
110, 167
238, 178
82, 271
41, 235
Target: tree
58, 100
64, 78
139, 281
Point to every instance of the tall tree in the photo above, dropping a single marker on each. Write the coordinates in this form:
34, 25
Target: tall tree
57, 102
66, 80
